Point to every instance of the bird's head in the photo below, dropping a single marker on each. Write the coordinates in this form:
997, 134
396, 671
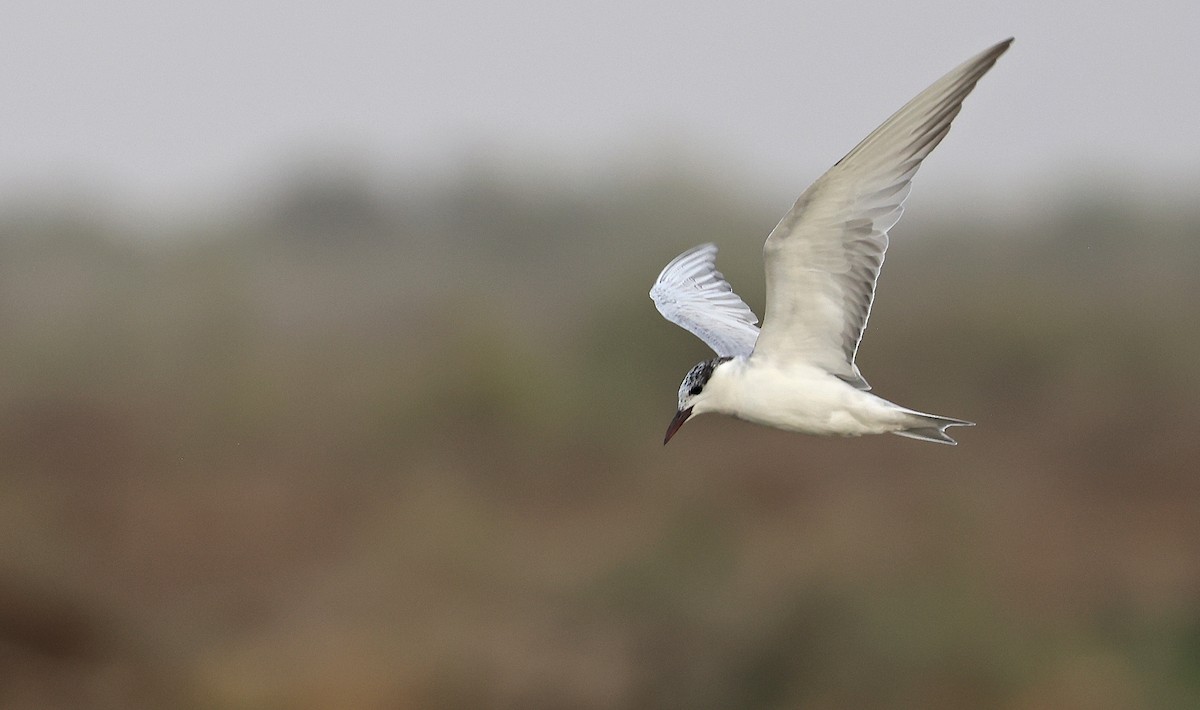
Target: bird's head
692, 392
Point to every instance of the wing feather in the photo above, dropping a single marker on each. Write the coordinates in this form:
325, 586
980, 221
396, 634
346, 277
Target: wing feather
824, 256
690, 292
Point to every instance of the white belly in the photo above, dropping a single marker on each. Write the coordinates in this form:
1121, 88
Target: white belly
805, 399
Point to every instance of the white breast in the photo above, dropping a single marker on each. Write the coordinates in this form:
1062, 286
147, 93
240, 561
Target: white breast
797, 397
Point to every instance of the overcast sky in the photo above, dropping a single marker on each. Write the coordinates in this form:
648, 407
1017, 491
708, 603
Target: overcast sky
157, 102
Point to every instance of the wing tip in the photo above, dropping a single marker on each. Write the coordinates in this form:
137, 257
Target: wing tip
989, 56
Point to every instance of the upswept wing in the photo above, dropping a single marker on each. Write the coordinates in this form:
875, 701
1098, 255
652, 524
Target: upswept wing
690, 292
823, 258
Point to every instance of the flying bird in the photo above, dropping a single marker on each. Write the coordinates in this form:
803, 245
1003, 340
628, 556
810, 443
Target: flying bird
822, 261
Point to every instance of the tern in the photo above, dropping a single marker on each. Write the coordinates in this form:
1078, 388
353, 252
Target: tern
822, 261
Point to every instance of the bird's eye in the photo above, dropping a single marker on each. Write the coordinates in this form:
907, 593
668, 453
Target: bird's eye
695, 390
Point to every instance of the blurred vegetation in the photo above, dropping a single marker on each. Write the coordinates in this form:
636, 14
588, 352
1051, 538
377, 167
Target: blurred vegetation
360, 445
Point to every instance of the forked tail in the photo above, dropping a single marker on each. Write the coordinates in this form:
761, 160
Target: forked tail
931, 427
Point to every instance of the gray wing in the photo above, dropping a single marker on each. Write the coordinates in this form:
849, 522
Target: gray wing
690, 292
823, 258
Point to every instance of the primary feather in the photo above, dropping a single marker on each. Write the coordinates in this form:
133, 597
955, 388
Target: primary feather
823, 258
690, 292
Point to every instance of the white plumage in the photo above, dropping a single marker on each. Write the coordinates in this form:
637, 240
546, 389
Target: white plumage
691, 292
822, 261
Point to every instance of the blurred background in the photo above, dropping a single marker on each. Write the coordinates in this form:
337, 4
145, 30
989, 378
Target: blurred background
330, 378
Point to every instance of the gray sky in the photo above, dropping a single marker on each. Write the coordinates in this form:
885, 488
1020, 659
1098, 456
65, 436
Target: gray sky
159, 102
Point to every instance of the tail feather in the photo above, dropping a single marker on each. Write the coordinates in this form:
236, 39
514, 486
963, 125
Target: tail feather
931, 427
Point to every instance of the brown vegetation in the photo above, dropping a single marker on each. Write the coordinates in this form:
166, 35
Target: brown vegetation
351, 448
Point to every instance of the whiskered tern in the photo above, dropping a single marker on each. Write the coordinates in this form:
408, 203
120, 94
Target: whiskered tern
822, 261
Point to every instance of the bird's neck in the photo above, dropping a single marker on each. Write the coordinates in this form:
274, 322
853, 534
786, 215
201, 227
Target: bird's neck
724, 387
